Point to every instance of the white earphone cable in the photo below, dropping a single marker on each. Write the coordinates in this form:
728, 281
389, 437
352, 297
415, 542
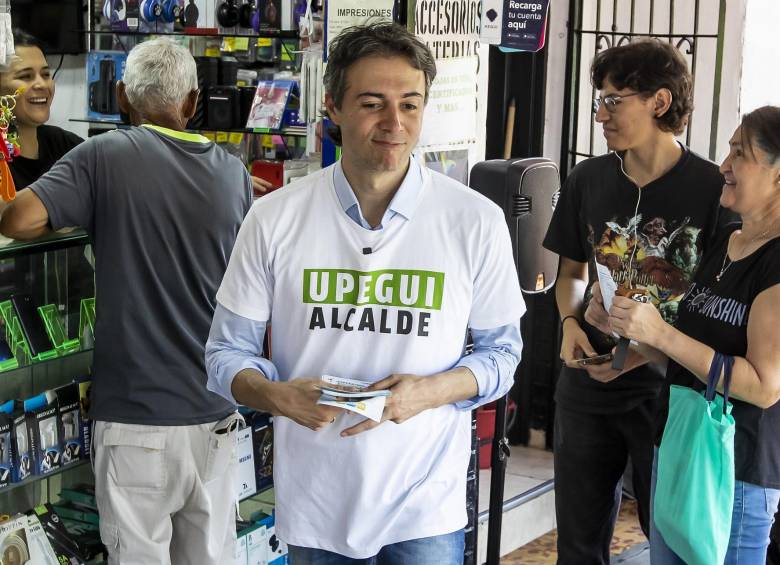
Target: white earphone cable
635, 221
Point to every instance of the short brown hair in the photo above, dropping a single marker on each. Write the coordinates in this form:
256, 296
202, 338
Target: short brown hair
647, 65
385, 39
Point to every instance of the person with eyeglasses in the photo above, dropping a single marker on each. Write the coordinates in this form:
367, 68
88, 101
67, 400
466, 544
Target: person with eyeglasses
646, 212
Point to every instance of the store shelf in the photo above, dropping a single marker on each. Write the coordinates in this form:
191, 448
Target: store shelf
18, 375
97, 121
293, 131
51, 242
197, 32
36, 478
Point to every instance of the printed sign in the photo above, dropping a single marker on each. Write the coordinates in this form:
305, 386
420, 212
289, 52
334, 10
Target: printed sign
245, 485
451, 113
453, 163
342, 14
514, 24
449, 28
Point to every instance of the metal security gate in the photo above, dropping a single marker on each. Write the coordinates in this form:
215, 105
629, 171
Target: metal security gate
696, 27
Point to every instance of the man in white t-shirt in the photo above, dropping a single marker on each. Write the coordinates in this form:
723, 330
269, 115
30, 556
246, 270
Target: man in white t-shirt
372, 269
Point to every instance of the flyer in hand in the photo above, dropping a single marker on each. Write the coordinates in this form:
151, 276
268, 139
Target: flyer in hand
350, 394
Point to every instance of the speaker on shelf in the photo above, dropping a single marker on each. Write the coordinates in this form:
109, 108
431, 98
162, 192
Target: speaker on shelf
223, 107
208, 70
527, 190
228, 70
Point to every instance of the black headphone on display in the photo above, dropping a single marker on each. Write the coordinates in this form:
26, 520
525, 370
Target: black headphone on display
228, 13
246, 14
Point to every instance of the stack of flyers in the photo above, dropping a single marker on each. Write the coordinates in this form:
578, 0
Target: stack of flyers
352, 395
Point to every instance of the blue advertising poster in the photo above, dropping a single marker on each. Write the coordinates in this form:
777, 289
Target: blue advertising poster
514, 24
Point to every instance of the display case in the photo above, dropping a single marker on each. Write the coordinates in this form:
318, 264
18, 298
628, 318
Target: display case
47, 313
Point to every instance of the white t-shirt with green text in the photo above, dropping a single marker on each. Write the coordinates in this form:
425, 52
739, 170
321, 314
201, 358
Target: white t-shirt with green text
299, 262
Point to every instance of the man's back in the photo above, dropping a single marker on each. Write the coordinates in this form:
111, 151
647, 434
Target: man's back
163, 208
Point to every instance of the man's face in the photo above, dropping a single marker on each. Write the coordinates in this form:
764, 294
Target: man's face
629, 124
381, 113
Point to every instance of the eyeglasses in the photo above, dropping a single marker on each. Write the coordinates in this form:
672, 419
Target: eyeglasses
611, 102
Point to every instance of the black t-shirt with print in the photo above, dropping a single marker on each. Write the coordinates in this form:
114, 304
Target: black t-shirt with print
657, 244
717, 314
53, 143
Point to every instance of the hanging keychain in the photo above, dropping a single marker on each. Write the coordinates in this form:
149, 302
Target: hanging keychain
9, 144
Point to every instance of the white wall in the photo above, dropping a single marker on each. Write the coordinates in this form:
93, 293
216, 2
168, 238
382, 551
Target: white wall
556, 79
70, 97
734, 36
761, 56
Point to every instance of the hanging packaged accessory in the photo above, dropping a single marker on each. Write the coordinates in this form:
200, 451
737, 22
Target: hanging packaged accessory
9, 145
694, 491
6, 33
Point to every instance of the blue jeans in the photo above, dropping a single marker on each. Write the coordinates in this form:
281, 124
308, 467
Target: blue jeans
446, 549
751, 520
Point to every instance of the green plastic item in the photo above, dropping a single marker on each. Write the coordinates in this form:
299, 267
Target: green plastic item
56, 330
87, 321
16, 341
694, 490
9, 364
9, 322
12, 335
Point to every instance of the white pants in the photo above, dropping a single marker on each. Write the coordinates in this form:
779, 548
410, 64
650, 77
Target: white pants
166, 494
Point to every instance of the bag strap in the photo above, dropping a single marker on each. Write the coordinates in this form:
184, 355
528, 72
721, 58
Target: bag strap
713, 376
728, 365
724, 363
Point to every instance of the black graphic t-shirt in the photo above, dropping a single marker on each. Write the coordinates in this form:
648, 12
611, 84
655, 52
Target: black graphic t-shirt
654, 242
717, 314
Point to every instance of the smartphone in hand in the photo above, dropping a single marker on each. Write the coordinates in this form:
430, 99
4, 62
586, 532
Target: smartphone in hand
595, 360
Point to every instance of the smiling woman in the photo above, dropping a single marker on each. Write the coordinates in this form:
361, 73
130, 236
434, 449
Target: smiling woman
41, 145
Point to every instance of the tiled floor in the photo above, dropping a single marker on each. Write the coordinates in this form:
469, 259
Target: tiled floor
542, 550
526, 468
530, 527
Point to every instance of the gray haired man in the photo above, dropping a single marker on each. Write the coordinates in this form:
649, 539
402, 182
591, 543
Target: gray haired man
163, 208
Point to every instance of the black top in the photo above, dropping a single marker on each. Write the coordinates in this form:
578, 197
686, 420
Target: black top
717, 314
677, 216
53, 143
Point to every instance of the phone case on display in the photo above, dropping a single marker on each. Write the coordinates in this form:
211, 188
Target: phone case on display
31, 323
7, 454
104, 69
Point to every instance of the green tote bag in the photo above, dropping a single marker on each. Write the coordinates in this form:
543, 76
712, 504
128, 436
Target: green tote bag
694, 491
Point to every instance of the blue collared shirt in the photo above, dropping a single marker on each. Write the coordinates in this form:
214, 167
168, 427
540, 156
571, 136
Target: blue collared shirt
403, 203
235, 343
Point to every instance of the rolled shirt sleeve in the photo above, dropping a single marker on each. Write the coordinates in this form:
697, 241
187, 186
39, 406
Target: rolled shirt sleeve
235, 343
493, 362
